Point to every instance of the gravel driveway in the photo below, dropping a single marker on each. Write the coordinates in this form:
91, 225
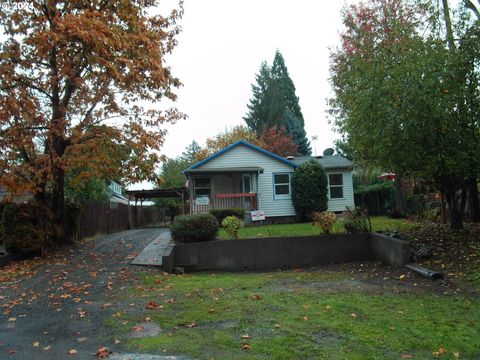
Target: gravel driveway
59, 311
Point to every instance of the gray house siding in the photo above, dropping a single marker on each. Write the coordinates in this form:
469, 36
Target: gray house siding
243, 156
340, 204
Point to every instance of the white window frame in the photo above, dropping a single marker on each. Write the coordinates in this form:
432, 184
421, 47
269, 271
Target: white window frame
336, 186
282, 196
195, 188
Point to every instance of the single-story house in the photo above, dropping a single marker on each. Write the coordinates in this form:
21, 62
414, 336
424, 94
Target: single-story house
247, 176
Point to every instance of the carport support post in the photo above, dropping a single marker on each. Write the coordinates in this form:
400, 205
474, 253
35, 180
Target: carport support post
141, 213
183, 202
136, 213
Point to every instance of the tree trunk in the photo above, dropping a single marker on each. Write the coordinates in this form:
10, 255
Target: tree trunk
443, 208
456, 204
58, 204
399, 199
58, 188
473, 203
448, 24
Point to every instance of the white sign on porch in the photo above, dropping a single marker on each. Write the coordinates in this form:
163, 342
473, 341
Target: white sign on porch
202, 200
258, 215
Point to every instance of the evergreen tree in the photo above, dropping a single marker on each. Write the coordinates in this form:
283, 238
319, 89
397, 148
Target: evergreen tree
274, 96
285, 90
297, 131
259, 103
189, 155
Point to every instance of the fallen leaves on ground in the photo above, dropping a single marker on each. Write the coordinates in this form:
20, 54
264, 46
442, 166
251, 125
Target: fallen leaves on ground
72, 352
103, 353
152, 305
439, 352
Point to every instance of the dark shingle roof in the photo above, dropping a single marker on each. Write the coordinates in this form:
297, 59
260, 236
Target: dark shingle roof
328, 162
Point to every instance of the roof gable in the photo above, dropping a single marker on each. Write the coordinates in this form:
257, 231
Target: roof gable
234, 145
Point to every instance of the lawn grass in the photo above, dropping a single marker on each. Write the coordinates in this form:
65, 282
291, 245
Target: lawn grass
301, 315
379, 223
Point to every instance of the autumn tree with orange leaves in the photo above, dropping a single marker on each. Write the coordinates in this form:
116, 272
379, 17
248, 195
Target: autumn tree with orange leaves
80, 83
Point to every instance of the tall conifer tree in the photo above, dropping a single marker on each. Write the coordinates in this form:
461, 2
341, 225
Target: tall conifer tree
274, 101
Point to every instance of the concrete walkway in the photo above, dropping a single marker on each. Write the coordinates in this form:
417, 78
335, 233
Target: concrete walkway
153, 252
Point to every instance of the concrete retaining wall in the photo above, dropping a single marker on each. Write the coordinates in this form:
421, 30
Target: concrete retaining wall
286, 252
389, 250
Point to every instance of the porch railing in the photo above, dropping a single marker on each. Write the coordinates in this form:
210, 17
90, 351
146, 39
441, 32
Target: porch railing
247, 201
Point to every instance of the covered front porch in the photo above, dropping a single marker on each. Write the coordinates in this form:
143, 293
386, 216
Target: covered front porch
223, 188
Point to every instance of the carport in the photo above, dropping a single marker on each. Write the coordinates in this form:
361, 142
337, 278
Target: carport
142, 195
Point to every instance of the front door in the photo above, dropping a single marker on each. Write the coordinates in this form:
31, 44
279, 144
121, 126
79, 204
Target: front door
247, 183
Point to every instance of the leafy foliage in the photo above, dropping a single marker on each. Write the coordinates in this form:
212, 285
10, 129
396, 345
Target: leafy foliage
405, 99
357, 221
273, 98
222, 140
79, 82
171, 176
81, 185
190, 154
324, 220
377, 198
309, 189
26, 228
277, 141
294, 127
232, 224
194, 228
221, 214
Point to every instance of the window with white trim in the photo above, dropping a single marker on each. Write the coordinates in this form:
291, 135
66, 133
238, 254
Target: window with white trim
335, 184
281, 184
202, 187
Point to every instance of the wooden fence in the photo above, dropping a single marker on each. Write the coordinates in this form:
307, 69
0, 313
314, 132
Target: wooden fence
107, 218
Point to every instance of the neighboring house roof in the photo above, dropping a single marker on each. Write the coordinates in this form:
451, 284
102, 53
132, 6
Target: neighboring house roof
328, 162
238, 143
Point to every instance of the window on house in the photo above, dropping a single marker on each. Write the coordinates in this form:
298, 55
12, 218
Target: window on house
202, 187
335, 182
281, 184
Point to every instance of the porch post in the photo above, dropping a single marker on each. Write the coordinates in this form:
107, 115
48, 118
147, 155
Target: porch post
191, 195
257, 193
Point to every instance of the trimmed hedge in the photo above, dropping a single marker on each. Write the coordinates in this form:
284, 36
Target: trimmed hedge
221, 214
194, 228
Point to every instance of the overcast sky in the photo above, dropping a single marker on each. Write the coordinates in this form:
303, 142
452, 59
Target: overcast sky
221, 48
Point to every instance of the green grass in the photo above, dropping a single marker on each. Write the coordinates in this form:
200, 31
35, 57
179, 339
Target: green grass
301, 315
379, 223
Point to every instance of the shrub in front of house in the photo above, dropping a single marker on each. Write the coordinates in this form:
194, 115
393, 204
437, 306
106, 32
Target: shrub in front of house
309, 190
26, 228
324, 220
194, 228
221, 214
357, 221
232, 224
